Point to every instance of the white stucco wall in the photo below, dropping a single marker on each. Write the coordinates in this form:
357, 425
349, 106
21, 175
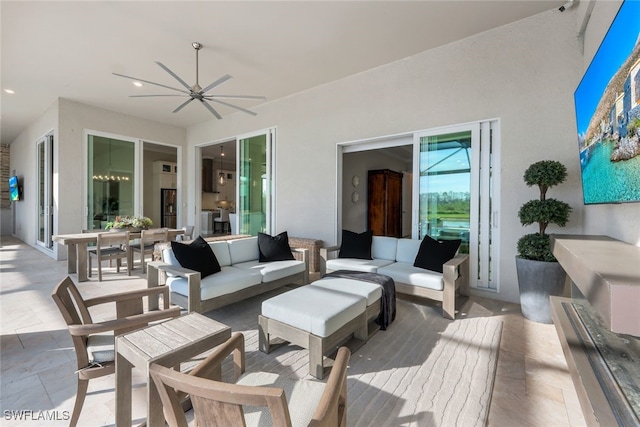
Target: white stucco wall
524, 73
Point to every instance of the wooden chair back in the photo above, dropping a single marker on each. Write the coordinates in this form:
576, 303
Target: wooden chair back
111, 246
148, 239
217, 403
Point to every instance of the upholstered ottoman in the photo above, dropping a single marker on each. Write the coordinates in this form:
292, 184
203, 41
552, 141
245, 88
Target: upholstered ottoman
314, 318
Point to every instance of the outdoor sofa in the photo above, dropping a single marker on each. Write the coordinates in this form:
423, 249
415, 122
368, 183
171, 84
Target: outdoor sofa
395, 257
241, 275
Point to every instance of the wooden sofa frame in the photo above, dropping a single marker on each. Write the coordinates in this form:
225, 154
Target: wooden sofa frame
156, 276
455, 275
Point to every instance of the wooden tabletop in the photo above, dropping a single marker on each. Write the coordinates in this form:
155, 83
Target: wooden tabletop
91, 236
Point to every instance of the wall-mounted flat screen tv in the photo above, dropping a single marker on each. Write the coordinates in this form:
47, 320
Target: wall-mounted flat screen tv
14, 190
607, 103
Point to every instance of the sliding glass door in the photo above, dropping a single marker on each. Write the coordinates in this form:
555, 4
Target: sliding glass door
44, 160
110, 180
255, 183
457, 193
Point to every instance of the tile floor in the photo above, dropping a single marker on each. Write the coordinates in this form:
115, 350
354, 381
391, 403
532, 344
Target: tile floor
37, 361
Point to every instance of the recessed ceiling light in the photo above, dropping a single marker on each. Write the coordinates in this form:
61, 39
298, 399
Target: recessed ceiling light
137, 84
9, 91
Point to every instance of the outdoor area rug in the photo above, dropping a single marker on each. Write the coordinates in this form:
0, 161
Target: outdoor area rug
424, 370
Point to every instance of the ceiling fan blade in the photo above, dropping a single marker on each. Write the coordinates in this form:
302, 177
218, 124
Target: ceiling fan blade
174, 75
151, 83
234, 106
149, 96
210, 108
216, 83
181, 106
236, 97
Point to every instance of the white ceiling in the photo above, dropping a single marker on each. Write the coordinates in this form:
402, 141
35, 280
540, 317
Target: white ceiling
70, 49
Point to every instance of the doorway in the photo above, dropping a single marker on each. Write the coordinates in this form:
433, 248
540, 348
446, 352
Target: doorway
455, 191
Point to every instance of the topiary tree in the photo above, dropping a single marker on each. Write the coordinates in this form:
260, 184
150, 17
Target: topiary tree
545, 174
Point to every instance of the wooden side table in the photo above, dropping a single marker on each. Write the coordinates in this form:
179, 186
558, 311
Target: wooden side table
168, 343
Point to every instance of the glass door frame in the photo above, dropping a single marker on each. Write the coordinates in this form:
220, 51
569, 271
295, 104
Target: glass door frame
137, 170
44, 186
270, 214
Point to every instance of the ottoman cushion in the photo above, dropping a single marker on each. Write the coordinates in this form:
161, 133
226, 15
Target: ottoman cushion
368, 290
314, 309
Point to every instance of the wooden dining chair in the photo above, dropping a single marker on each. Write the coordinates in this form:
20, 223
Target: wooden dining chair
94, 341
255, 398
148, 240
111, 246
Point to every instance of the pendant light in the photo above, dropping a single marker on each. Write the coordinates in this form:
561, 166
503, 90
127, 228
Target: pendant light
221, 178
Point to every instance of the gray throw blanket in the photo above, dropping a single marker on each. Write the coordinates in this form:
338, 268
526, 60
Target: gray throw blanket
388, 300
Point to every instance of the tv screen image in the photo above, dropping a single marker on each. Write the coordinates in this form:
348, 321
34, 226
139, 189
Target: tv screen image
607, 103
14, 191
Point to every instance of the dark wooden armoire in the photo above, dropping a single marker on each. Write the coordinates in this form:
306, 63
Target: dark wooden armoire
385, 203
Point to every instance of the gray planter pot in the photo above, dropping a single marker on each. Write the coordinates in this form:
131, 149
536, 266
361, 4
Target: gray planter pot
537, 281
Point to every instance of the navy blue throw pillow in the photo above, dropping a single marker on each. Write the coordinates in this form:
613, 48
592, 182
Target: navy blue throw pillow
356, 245
197, 256
434, 253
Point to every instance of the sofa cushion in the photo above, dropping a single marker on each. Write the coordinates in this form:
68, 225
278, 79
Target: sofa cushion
275, 270
434, 253
355, 245
243, 250
228, 280
384, 247
221, 250
403, 272
314, 309
197, 256
366, 265
371, 291
274, 248
407, 250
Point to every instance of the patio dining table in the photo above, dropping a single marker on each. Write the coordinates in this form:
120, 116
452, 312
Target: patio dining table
77, 248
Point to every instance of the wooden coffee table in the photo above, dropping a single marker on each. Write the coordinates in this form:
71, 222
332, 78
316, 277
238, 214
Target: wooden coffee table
168, 343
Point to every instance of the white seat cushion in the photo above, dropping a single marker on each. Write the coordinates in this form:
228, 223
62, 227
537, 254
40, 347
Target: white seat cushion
303, 397
403, 272
227, 281
314, 309
366, 265
101, 348
274, 270
368, 290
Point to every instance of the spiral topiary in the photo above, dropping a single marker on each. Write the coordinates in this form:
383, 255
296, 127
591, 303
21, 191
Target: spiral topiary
544, 174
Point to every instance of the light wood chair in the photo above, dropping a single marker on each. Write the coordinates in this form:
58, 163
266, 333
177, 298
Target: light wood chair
111, 246
254, 397
94, 341
148, 239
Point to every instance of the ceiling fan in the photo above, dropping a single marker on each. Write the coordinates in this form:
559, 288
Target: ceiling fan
195, 91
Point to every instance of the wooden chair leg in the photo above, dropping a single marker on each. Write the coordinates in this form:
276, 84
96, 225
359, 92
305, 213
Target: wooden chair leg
77, 407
